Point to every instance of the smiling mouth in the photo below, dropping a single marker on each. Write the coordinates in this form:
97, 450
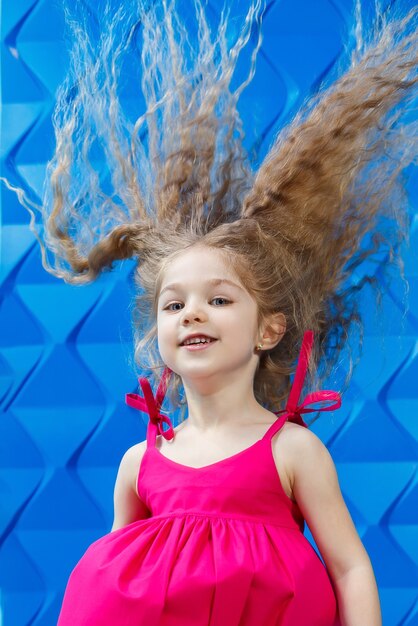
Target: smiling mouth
201, 345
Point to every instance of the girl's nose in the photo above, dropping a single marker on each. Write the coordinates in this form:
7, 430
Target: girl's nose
192, 314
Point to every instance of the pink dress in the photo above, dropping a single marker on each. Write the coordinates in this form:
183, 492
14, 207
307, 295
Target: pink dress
222, 545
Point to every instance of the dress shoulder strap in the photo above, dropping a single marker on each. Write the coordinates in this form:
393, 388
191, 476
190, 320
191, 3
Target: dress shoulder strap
151, 405
293, 411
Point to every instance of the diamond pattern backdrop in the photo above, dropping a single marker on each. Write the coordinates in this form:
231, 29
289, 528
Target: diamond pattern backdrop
66, 352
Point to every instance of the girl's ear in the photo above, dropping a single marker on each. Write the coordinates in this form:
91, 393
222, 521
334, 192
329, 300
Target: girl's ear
273, 331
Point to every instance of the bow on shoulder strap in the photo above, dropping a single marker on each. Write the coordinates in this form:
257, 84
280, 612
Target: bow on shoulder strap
295, 410
151, 404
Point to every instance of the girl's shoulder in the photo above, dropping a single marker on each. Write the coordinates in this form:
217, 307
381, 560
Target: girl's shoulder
304, 460
132, 460
128, 506
288, 446
292, 436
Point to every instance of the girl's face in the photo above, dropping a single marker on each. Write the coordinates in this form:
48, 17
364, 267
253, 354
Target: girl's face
198, 303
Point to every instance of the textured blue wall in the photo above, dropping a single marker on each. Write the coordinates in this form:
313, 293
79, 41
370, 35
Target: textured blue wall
65, 351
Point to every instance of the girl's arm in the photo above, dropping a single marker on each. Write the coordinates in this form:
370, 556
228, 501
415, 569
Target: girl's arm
128, 506
317, 492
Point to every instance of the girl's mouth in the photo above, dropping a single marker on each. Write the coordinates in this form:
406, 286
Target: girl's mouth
199, 346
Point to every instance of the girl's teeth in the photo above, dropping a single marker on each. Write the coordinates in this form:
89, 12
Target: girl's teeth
194, 342
198, 341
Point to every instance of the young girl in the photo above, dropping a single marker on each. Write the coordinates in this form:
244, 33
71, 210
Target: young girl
244, 301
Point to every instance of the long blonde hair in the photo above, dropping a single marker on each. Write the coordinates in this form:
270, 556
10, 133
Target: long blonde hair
329, 194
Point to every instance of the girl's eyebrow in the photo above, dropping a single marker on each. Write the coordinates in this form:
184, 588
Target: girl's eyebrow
211, 281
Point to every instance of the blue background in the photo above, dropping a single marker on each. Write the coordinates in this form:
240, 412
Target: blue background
66, 352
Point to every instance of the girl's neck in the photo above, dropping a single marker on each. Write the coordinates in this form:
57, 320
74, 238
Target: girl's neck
224, 411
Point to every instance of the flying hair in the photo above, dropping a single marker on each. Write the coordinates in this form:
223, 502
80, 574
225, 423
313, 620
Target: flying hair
329, 195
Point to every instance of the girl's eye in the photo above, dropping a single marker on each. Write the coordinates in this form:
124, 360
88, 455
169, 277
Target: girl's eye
170, 305
220, 298
173, 303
